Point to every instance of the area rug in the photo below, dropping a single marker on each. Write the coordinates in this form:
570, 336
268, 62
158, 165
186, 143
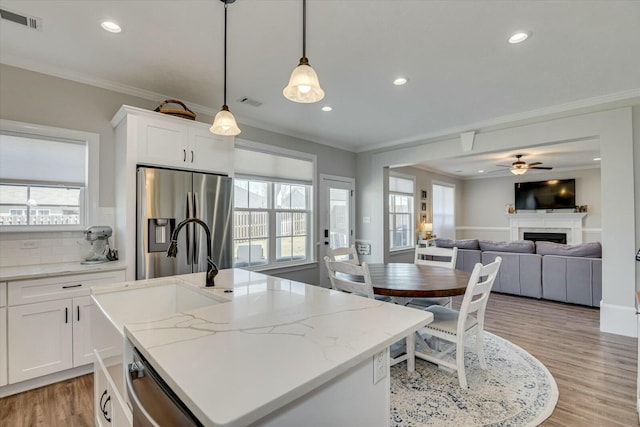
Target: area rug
515, 390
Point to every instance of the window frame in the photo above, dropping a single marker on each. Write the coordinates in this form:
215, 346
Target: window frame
312, 260
89, 199
452, 186
412, 220
272, 213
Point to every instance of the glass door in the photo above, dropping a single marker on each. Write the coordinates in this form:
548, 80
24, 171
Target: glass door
338, 214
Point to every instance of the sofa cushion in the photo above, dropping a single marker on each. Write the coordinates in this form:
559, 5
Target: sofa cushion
460, 244
518, 246
586, 250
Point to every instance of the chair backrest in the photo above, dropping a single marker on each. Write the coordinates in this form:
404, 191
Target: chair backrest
361, 284
348, 254
478, 291
434, 251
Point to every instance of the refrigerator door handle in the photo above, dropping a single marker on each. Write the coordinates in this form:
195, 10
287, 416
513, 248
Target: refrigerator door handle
196, 239
188, 214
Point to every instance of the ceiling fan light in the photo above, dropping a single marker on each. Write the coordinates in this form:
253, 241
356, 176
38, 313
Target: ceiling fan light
224, 123
303, 86
518, 171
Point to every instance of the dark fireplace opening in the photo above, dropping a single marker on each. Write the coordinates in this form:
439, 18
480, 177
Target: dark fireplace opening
546, 237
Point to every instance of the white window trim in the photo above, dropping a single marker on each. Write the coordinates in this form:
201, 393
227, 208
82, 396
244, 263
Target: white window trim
280, 151
413, 226
92, 188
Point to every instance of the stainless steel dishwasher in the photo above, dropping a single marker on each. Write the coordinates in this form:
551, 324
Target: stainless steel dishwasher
154, 404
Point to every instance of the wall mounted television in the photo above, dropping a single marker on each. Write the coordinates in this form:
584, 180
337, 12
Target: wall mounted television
552, 194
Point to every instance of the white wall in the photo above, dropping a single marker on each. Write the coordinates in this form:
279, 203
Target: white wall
484, 201
32, 97
612, 127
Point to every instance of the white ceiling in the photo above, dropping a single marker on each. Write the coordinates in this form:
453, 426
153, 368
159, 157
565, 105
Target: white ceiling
462, 72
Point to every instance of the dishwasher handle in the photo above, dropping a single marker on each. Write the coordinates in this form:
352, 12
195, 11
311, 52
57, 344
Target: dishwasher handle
141, 417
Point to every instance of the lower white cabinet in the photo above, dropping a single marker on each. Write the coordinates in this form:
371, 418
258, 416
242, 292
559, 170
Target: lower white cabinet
40, 339
110, 409
54, 333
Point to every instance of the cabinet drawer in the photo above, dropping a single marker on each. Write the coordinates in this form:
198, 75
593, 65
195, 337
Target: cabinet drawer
52, 288
3, 294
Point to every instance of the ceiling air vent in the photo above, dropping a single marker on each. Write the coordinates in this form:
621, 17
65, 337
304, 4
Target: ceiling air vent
249, 101
28, 21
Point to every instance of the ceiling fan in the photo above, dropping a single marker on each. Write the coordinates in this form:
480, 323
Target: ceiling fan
519, 167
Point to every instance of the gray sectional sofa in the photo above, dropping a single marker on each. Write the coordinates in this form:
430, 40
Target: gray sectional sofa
545, 270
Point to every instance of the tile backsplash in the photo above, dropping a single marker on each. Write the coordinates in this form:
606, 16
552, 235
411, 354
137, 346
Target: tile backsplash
55, 247
18, 249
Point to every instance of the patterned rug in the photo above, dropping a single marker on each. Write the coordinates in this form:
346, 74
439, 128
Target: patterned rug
515, 390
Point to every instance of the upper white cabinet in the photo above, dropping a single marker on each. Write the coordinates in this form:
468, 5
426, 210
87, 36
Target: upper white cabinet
160, 140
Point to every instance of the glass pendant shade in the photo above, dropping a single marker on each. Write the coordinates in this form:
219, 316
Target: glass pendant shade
518, 171
224, 123
303, 85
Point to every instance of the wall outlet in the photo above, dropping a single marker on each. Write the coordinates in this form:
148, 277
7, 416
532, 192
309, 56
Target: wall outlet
29, 244
380, 366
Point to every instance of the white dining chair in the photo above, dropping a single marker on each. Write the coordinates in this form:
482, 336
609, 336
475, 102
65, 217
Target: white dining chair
348, 254
424, 256
455, 326
365, 288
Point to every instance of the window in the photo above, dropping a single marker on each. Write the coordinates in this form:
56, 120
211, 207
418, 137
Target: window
46, 175
444, 221
272, 222
401, 212
273, 200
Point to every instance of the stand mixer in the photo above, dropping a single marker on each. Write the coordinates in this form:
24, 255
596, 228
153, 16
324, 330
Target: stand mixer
98, 249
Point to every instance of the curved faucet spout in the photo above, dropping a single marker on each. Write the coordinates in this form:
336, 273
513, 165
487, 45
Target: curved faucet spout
212, 268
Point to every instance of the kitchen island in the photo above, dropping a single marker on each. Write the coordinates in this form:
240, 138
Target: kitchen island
264, 350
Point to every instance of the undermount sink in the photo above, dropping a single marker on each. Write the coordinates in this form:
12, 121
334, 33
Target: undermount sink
153, 302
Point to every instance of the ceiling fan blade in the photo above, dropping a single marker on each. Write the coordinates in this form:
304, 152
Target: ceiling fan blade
539, 167
535, 163
498, 170
504, 166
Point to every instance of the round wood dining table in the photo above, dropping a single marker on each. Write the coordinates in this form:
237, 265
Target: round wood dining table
403, 280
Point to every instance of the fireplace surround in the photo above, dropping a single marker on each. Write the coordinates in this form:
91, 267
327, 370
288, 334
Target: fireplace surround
545, 237
569, 223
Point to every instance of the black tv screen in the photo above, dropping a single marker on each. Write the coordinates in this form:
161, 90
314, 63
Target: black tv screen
552, 194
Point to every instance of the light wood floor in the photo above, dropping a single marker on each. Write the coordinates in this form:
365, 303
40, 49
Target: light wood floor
595, 372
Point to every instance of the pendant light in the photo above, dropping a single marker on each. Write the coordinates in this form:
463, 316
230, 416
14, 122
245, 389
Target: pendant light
224, 122
303, 84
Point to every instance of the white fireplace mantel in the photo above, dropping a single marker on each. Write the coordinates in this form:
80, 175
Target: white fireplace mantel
569, 223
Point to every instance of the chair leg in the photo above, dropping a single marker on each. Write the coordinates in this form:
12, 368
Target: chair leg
449, 303
480, 349
411, 352
462, 377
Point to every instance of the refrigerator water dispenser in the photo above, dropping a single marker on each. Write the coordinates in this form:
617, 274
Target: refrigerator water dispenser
160, 230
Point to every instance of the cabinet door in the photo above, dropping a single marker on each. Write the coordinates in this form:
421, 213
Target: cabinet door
100, 392
40, 339
3, 346
209, 152
162, 143
82, 343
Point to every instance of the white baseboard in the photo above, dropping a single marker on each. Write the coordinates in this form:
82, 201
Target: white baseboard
618, 319
22, 386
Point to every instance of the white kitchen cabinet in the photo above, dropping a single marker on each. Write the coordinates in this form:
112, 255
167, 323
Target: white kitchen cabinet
110, 409
39, 339
161, 140
49, 323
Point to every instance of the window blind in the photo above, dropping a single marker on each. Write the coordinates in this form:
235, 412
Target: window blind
256, 163
42, 160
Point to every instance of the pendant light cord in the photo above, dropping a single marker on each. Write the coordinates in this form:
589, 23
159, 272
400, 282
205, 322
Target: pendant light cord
304, 28
225, 53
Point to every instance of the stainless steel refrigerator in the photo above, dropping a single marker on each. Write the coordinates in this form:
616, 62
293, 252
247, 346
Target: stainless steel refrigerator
164, 198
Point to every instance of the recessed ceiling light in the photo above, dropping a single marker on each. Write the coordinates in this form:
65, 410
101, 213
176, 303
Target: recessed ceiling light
519, 37
480, 171
400, 81
327, 108
596, 159
111, 26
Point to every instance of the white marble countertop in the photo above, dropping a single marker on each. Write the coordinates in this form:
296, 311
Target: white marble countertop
273, 341
49, 270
